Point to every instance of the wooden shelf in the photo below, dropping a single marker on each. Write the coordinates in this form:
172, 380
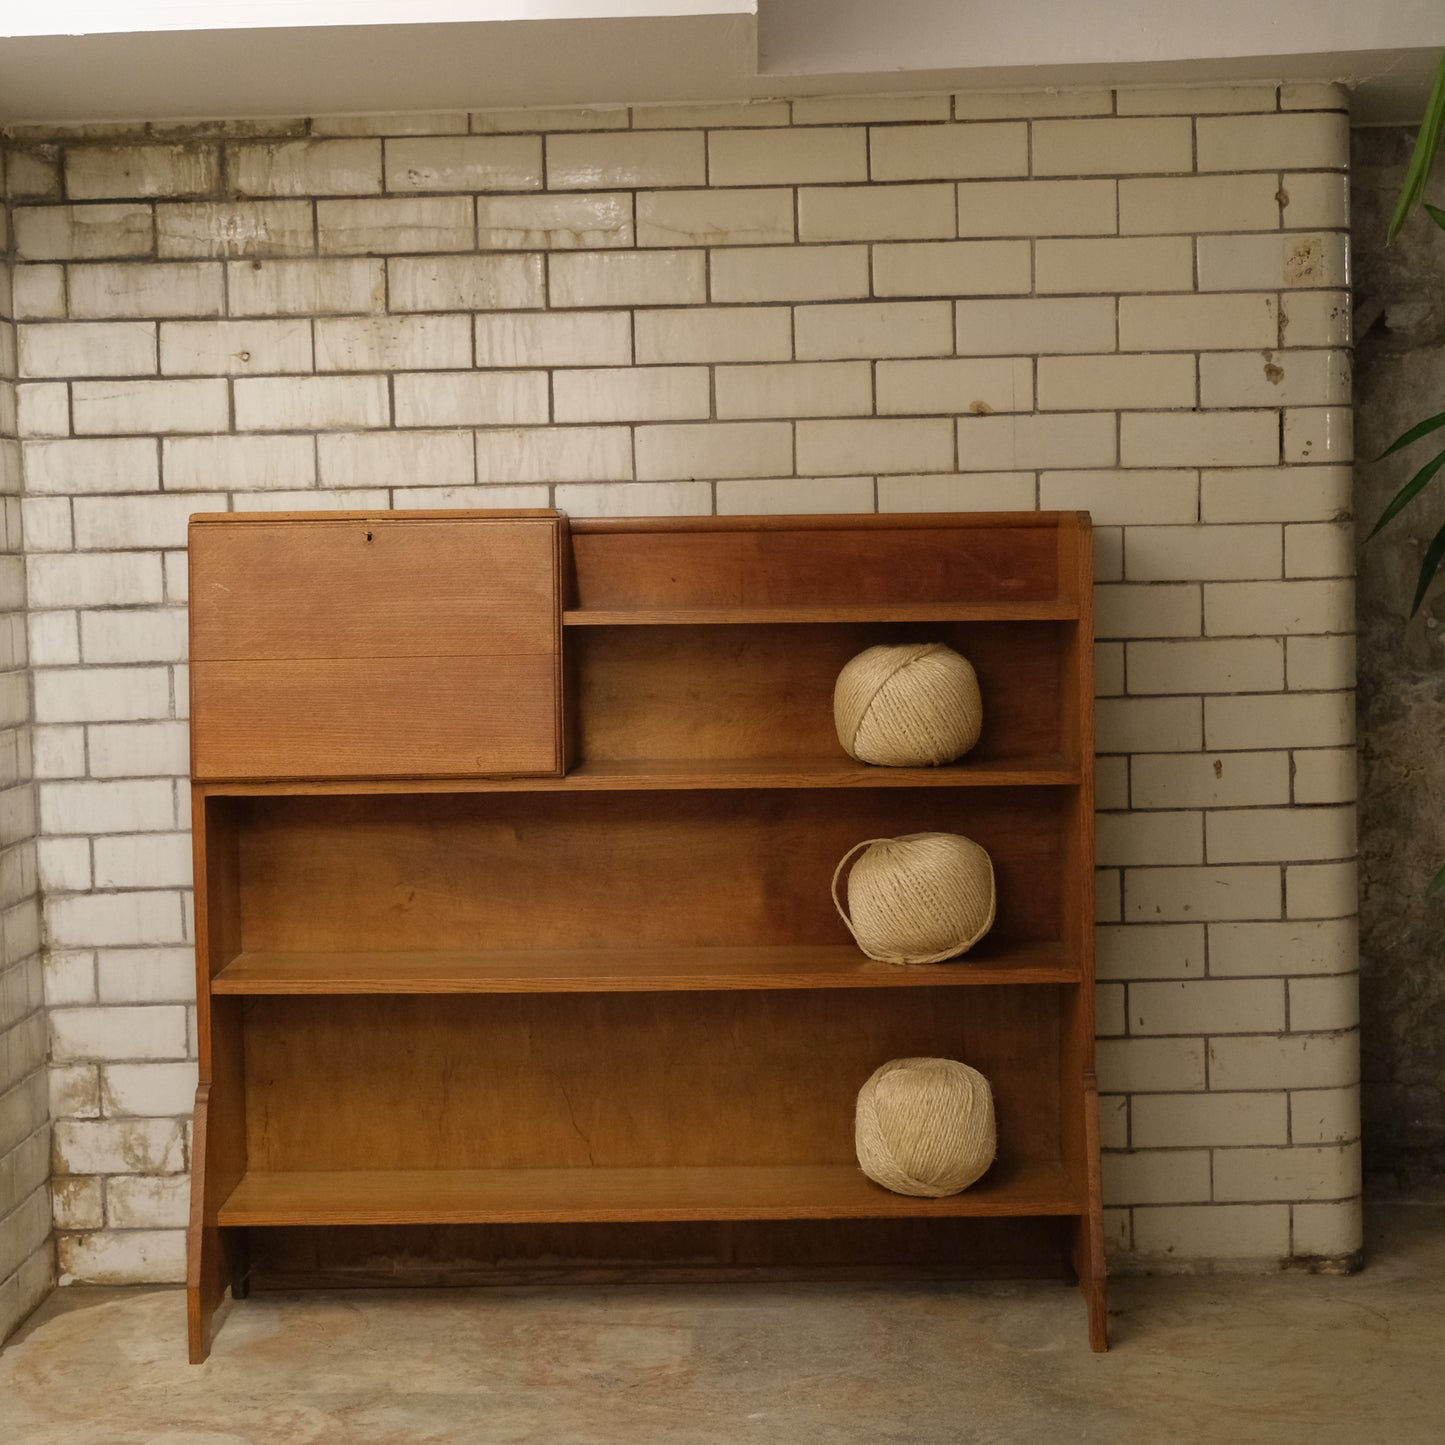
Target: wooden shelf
620, 970
540, 1196
1048, 610
698, 774
818, 773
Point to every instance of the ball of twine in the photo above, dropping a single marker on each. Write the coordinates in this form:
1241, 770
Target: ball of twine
917, 899
909, 705
925, 1127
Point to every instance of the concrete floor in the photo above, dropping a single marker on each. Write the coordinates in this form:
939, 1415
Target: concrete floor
1281, 1358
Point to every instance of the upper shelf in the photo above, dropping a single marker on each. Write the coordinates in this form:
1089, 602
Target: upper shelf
1046, 610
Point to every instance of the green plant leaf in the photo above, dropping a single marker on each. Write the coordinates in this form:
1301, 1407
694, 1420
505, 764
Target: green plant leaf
1436, 885
1434, 555
1420, 429
1426, 145
1409, 492
1437, 214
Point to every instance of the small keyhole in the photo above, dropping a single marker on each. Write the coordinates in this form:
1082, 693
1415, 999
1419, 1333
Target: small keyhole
368, 536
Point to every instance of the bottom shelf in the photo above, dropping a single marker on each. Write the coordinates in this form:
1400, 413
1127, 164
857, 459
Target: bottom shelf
537, 1196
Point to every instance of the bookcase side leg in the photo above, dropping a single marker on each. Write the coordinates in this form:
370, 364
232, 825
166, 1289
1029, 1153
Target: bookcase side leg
1089, 1260
1081, 1136
215, 1258
204, 1283
1096, 1299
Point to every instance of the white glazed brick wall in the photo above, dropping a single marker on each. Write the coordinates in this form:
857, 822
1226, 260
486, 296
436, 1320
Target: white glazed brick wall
27, 1256
1135, 304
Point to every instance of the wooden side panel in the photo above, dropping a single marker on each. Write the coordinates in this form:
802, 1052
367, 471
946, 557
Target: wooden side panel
1078, 1085
215, 1258
609, 1081
742, 563
216, 842
205, 1282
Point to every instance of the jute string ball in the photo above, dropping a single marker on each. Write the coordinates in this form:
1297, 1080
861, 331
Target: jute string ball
917, 899
907, 706
925, 1127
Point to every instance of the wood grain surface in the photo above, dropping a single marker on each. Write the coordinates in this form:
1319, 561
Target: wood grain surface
669, 775
631, 970
685, 869
374, 588
364, 717
541, 1196
734, 694
379, 646
741, 564
617, 1080
508, 988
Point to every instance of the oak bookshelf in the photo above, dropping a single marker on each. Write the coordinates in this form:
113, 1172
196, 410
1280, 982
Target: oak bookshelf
513, 838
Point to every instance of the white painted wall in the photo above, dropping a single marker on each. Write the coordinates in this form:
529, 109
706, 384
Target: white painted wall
115, 17
810, 37
107, 60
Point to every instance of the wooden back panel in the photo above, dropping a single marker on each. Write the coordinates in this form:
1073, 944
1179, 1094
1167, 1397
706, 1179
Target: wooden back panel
375, 645
819, 561
608, 870
766, 691
607, 1080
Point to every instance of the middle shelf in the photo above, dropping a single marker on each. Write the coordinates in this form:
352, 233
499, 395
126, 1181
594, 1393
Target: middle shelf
698, 774
629, 970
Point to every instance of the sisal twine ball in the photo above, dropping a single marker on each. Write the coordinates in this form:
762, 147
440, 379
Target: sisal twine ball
917, 899
925, 1127
907, 706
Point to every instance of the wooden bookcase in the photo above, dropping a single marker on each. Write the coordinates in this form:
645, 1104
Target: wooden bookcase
515, 949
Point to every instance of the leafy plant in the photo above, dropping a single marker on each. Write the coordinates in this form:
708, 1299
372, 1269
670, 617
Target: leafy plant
1412, 194
1426, 145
